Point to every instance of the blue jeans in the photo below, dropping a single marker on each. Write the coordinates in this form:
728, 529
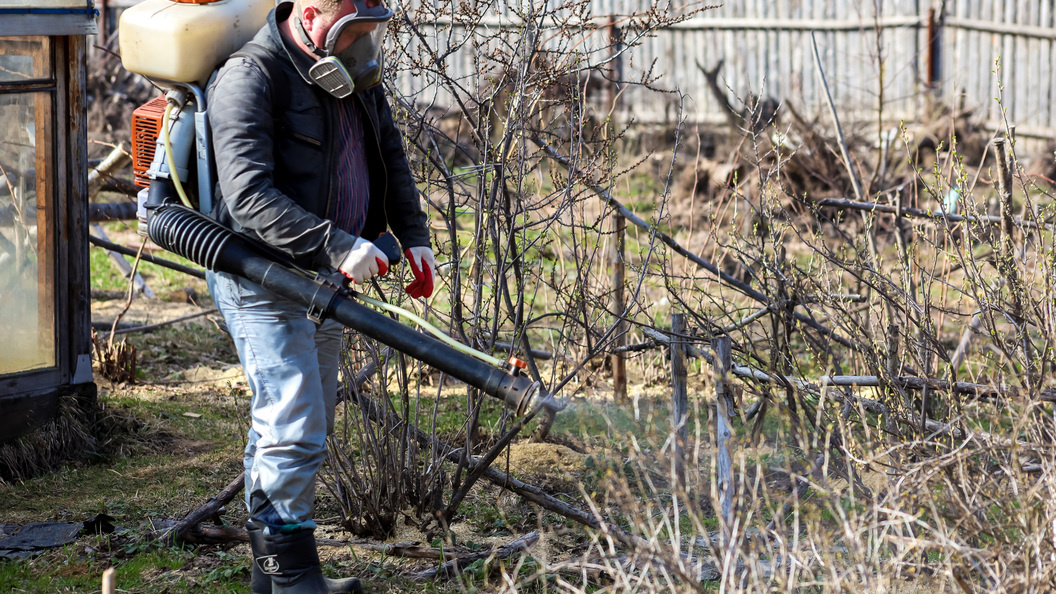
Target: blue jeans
291, 365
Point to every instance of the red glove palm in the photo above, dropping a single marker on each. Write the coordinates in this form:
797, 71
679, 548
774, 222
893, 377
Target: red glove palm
423, 265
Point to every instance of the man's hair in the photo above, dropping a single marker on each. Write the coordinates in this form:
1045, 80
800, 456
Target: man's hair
327, 7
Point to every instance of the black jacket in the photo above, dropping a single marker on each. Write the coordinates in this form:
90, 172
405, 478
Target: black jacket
277, 167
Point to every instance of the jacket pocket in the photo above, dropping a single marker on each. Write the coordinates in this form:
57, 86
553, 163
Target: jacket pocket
301, 139
303, 127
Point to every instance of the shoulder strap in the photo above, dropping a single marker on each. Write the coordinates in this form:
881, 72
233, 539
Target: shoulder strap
280, 90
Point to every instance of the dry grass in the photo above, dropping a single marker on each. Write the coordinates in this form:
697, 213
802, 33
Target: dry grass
835, 488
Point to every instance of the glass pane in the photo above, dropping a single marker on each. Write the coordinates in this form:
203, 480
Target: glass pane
27, 252
24, 58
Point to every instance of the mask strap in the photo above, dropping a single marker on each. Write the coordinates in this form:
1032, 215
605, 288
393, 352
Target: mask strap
299, 27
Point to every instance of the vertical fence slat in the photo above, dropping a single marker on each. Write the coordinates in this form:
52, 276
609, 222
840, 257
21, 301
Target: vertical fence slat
618, 360
1017, 91
1048, 76
1034, 47
679, 394
722, 345
1007, 48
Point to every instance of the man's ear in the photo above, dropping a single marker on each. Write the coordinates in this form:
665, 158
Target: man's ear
309, 14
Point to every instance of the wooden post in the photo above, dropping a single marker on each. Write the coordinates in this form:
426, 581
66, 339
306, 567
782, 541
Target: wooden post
1008, 265
924, 353
893, 369
618, 360
616, 71
104, 23
680, 396
211, 509
934, 51
1004, 187
722, 345
966, 341
109, 581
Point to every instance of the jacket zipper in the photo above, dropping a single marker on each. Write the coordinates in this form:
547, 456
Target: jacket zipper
333, 151
377, 143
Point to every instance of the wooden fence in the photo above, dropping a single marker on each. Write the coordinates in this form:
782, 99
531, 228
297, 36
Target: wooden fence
968, 52
765, 44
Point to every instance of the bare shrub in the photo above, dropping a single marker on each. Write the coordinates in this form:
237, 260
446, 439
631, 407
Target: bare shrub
893, 351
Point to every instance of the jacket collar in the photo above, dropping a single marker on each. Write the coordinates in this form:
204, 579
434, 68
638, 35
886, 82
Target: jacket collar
301, 61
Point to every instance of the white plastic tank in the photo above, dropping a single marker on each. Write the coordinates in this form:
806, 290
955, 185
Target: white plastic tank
167, 40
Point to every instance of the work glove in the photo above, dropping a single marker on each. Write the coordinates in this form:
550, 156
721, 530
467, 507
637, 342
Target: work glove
423, 265
364, 261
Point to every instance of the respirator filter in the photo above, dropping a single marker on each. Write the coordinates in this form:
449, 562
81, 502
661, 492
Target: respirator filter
356, 67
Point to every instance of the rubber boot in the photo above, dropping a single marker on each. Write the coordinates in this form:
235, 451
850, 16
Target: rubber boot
259, 583
289, 564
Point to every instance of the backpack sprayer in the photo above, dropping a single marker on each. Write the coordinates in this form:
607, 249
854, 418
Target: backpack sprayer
178, 44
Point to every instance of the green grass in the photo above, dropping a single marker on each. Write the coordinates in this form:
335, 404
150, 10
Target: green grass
137, 569
153, 462
143, 476
104, 275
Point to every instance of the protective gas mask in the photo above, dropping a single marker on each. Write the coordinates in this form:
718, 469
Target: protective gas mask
357, 67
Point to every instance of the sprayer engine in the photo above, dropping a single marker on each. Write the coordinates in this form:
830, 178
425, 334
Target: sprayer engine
178, 44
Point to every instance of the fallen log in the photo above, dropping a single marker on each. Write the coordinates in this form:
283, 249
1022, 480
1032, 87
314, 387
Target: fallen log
414, 550
455, 566
111, 211
211, 509
117, 159
907, 212
207, 534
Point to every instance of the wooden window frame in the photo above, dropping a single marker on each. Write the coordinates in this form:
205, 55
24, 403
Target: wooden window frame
67, 241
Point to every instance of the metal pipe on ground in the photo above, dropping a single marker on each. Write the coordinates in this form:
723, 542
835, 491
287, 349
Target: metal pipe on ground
113, 247
122, 265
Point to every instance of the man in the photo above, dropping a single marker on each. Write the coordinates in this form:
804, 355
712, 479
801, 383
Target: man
310, 162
